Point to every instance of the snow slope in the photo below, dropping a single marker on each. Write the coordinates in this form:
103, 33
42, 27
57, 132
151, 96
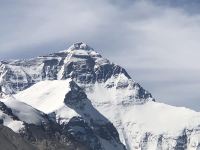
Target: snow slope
161, 119
13, 124
15, 113
25, 112
154, 125
46, 96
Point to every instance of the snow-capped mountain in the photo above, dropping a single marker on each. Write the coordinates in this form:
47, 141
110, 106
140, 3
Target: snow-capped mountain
89, 100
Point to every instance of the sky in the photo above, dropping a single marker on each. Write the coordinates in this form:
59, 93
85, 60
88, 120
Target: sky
156, 41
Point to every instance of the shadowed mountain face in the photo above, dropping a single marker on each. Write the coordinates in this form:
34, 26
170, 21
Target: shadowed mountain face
76, 99
91, 122
10, 140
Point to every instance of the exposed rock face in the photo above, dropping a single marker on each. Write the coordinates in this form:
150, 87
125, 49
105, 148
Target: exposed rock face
10, 140
51, 136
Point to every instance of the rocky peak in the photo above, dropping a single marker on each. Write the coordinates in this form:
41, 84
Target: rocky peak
76, 96
79, 62
80, 46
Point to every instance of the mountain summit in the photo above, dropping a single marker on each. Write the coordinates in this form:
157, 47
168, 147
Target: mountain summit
80, 63
80, 100
80, 45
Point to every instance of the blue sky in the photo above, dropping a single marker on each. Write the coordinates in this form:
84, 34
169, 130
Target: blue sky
156, 41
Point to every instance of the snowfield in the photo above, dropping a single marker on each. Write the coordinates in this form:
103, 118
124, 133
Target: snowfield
155, 122
46, 96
